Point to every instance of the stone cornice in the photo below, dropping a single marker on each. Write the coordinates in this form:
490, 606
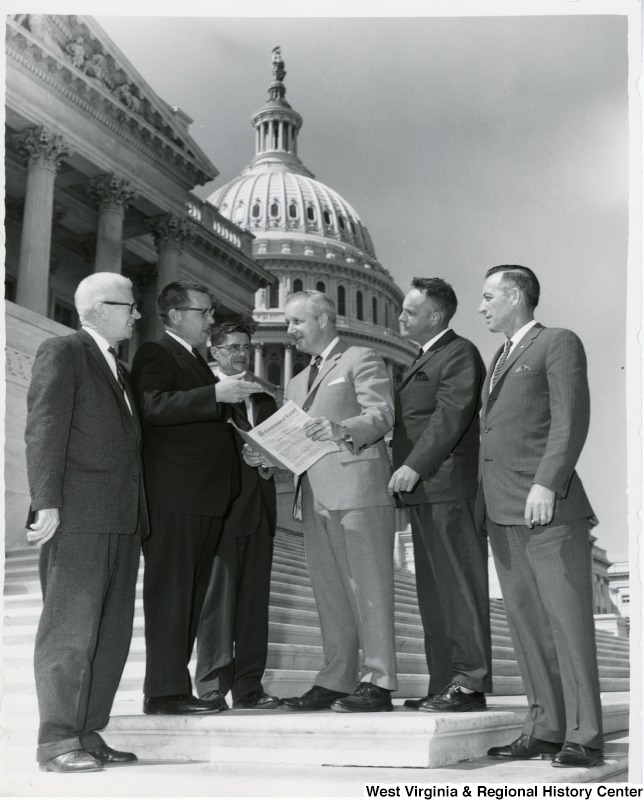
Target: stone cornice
141, 125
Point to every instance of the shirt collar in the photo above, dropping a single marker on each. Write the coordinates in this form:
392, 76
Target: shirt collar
522, 332
180, 340
101, 341
327, 350
428, 344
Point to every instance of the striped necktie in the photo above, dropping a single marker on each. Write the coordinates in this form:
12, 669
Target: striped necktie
313, 370
499, 364
120, 372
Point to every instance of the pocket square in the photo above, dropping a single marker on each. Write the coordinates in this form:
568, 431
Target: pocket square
337, 380
420, 376
523, 368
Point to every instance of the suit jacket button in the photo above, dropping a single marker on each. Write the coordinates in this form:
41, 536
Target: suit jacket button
486, 430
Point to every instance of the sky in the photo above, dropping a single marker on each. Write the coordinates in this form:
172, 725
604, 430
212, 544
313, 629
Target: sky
462, 143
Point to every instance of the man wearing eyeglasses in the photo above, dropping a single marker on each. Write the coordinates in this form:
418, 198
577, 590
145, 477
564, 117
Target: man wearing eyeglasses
192, 475
88, 516
232, 641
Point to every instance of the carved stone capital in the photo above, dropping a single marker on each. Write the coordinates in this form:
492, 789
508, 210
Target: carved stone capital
41, 147
112, 191
169, 228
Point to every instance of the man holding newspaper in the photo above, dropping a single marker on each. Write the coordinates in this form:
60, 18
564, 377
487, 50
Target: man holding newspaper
348, 515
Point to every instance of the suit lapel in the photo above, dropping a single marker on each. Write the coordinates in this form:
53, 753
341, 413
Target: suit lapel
329, 363
186, 357
514, 356
446, 338
97, 355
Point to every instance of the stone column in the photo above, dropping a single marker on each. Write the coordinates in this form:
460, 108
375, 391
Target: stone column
44, 151
113, 195
288, 363
169, 232
258, 365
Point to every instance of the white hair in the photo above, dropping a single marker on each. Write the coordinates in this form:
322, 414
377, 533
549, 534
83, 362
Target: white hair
97, 287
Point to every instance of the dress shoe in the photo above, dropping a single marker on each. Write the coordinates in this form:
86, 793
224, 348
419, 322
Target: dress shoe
415, 703
258, 700
107, 755
74, 761
180, 704
453, 698
367, 697
577, 755
315, 699
523, 749
217, 697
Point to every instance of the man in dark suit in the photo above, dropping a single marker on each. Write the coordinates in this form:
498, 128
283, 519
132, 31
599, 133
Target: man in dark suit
191, 477
88, 510
535, 420
232, 641
435, 454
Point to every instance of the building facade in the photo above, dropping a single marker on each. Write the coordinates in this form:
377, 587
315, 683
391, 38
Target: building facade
99, 177
308, 237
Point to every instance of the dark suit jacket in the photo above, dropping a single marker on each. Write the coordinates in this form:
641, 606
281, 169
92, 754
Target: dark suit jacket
83, 444
534, 425
189, 451
436, 431
244, 515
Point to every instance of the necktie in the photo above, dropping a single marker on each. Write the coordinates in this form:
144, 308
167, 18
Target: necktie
313, 370
499, 364
120, 372
202, 361
421, 353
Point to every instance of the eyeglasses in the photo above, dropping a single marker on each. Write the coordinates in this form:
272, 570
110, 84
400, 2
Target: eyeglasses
236, 348
132, 307
203, 311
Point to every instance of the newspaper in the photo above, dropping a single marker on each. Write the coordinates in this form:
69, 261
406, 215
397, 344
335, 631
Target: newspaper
281, 438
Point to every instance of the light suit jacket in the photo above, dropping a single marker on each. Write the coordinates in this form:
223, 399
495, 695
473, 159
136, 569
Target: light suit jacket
353, 388
533, 427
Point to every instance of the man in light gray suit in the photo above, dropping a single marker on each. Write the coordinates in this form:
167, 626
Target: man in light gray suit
534, 423
348, 515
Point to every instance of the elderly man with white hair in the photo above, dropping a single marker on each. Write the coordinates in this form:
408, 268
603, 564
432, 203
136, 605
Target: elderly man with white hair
88, 516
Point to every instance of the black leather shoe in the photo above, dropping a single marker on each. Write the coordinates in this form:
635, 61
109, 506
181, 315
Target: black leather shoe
180, 704
367, 697
523, 749
216, 697
577, 755
74, 761
453, 698
315, 699
107, 755
258, 700
415, 703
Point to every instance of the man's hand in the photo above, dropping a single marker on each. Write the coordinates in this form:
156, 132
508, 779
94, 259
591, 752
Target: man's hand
403, 480
540, 506
256, 459
232, 390
321, 429
41, 531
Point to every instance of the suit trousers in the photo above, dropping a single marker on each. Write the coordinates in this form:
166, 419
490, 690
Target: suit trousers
350, 560
546, 581
232, 642
178, 560
88, 584
451, 557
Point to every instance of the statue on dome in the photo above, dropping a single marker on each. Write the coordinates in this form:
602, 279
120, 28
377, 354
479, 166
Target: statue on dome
278, 64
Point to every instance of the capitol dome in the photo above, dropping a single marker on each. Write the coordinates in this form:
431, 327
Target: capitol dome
309, 237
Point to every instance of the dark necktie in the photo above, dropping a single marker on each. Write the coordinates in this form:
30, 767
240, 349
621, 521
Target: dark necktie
499, 364
120, 372
421, 353
313, 370
240, 415
201, 360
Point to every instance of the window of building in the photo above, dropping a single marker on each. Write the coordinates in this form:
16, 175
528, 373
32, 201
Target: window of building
320, 287
274, 295
275, 208
342, 301
341, 221
374, 310
359, 305
65, 313
327, 216
297, 285
256, 210
274, 373
292, 210
386, 315
310, 213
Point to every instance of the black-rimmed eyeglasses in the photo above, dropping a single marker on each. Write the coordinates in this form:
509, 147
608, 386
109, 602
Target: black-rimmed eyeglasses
203, 311
132, 307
